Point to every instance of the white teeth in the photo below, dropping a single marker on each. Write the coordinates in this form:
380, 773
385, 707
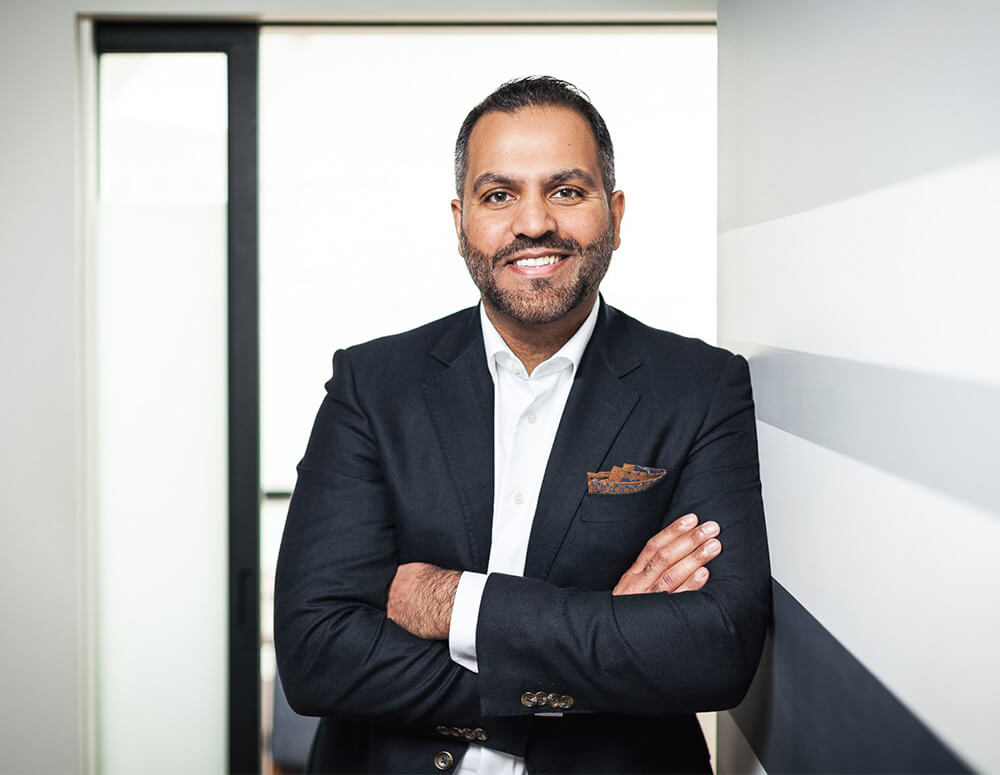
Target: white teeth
542, 261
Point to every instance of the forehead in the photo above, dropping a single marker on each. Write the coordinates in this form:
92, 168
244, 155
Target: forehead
530, 142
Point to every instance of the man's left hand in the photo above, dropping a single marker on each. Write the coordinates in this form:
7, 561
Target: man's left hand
421, 597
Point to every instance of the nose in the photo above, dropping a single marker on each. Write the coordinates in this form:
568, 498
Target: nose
533, 218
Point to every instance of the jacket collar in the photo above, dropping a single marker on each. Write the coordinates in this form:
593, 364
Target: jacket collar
610, 339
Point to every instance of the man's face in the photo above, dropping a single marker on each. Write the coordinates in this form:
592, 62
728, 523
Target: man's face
535, 224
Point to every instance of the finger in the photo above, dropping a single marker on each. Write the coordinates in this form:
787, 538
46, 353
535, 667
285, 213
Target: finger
673, 552
674, 530
672, 578
694, 582
672, 564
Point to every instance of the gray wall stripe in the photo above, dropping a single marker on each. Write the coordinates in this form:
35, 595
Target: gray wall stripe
937, 431
813, 707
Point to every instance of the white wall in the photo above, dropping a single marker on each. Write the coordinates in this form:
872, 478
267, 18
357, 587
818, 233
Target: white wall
45, 656
858, 268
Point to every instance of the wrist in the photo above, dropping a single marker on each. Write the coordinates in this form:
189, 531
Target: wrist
444, 586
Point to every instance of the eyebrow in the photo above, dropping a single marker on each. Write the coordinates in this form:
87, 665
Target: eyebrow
574, 174
488, 178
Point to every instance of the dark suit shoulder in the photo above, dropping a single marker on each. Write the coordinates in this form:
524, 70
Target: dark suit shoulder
408, 353
665, 350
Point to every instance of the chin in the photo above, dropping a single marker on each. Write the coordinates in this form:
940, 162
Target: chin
534, 310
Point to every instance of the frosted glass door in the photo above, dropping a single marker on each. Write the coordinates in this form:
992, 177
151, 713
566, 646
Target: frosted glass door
161, 408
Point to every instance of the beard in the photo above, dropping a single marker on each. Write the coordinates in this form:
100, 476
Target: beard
543, 301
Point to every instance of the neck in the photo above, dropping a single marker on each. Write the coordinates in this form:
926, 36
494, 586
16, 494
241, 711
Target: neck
534, 343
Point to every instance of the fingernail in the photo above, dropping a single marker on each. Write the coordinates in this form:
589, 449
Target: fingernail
701, 574
710, 528
713, 547
689, 521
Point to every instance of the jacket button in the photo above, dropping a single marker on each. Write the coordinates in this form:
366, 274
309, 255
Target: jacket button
540, 698
480, 734
552, 700
528, 700
442, 730
566, 701
443, 760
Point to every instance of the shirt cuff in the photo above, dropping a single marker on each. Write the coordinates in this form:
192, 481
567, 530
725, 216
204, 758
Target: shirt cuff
464, 618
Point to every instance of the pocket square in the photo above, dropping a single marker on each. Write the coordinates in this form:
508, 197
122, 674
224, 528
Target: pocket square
623, 479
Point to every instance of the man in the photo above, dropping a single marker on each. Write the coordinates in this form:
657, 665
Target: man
471, 579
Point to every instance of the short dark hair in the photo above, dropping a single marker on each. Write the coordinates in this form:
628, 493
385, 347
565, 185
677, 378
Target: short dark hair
536, 91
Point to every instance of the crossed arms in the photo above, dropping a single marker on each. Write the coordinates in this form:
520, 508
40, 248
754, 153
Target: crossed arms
422, 595
633, 650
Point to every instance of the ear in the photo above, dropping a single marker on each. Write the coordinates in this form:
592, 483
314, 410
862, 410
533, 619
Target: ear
617, 206
456, 213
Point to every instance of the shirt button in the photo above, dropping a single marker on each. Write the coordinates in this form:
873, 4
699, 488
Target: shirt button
531, 418
518, 498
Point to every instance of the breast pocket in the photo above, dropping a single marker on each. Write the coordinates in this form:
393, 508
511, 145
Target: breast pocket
608, 533
649, 504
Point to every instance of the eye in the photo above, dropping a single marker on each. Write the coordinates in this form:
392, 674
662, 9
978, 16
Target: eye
497, 197
566, 193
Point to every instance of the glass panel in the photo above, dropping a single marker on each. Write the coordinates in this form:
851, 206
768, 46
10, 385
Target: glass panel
161, 344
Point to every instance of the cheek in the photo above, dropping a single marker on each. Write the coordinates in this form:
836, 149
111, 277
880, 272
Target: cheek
587, 227
487, 234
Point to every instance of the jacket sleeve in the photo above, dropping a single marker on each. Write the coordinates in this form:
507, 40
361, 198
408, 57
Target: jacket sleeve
652, 653
338, 654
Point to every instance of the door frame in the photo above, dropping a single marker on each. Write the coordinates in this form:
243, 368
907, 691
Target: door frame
239, 42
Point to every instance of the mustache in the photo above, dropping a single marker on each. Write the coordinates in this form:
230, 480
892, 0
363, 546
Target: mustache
550, 242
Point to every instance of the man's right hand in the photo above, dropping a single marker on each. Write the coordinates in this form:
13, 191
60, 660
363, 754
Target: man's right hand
673, 560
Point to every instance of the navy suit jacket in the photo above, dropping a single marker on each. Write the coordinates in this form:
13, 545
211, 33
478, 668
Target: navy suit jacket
399, 468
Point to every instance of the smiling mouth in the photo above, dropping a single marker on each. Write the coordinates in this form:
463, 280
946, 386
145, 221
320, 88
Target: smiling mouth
539, 261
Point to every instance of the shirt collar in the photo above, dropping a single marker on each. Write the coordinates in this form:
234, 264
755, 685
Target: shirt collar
569, 354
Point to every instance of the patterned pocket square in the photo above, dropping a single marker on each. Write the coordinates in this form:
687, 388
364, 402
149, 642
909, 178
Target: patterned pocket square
623, 479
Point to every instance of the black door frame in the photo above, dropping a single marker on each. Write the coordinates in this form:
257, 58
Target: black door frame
240, 43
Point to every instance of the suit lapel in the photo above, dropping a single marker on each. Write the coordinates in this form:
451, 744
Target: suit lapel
598, 405
460, 400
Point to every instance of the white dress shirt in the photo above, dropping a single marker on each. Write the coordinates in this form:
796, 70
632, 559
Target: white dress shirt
526, 413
